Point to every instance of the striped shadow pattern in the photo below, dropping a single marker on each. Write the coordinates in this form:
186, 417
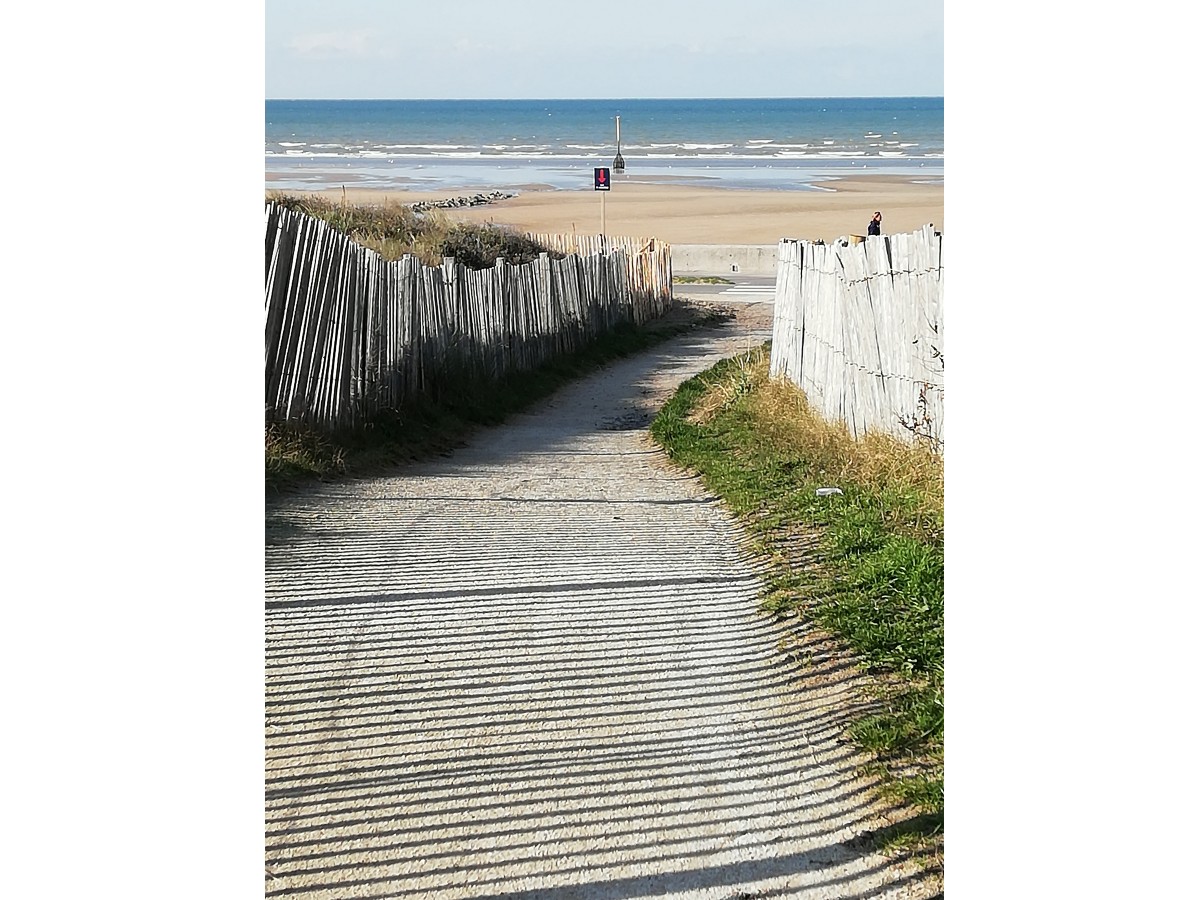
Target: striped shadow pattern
535, 669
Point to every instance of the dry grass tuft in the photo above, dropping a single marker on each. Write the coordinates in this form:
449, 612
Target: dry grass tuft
785, 420
879, 461
747, 375
393, 230
295, 451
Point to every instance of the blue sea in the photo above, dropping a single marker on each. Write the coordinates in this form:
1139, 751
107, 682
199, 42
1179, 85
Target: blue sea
438, 145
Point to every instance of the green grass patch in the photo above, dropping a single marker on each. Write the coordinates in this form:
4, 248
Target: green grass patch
708, 279
875, 578
427, 426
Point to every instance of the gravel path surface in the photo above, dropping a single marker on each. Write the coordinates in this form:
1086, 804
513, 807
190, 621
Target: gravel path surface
535, 669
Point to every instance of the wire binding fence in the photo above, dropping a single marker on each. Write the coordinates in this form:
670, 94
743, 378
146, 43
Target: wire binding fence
858, 327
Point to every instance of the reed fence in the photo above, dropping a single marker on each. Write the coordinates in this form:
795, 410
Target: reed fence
349, 334
858, 327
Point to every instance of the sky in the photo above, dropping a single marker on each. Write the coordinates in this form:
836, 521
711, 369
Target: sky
550, 49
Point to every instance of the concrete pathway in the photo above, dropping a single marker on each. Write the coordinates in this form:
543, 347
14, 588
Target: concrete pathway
535, 669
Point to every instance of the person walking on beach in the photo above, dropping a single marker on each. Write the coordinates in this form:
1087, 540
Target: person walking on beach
876, 221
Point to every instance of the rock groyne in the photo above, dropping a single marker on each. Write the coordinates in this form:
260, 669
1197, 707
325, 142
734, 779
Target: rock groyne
456, 202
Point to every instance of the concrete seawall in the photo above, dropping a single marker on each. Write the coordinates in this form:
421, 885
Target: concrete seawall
724, 259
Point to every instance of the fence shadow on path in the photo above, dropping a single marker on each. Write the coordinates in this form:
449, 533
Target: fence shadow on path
537, 669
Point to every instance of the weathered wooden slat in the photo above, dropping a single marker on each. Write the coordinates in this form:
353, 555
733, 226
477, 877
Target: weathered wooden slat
347, 334
282, 374
859, 328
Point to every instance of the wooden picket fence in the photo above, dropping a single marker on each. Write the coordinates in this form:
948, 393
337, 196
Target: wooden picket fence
858, 327
349, 334
647, 265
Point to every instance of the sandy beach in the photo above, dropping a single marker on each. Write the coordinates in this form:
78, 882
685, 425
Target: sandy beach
696, 215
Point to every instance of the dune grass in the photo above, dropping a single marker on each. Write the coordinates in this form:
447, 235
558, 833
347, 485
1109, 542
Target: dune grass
393, 229
876, 579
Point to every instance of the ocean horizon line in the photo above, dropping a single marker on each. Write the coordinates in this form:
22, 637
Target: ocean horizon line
588, 99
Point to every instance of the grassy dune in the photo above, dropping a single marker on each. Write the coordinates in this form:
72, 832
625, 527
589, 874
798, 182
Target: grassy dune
393, 229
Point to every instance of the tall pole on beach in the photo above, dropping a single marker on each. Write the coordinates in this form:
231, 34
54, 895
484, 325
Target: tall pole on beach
619, 162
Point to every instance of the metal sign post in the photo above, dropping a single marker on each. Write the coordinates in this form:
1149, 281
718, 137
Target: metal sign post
601, 181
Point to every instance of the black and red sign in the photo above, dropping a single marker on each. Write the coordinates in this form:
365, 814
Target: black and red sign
602, 179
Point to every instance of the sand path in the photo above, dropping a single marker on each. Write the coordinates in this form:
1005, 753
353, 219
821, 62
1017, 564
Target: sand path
535, 669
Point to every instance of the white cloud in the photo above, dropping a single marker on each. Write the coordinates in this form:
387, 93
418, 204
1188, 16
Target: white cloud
668, 48
332, 45
469, 45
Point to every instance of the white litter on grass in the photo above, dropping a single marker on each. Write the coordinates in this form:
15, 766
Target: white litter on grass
828, 491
